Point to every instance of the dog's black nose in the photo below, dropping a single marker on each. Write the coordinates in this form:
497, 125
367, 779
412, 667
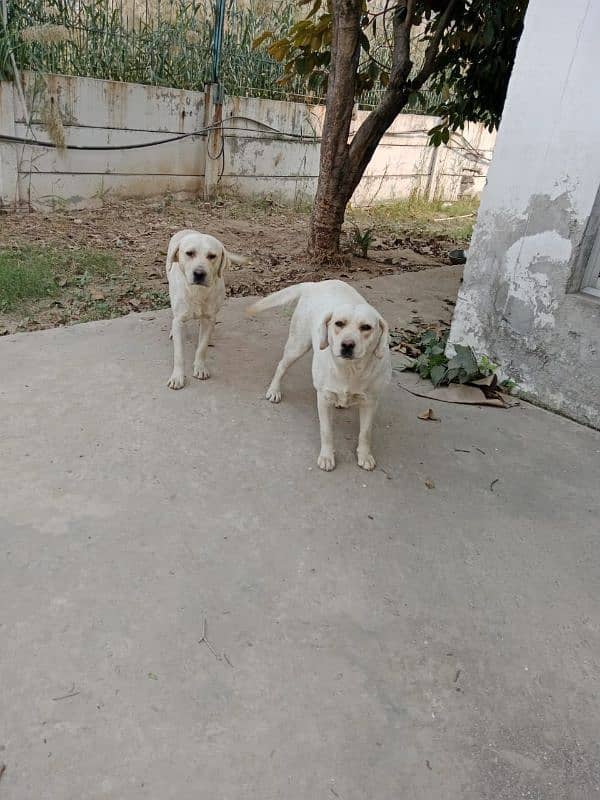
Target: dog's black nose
199, 276
347, 349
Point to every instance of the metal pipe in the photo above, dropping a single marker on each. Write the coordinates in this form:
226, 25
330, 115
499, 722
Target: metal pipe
217, 40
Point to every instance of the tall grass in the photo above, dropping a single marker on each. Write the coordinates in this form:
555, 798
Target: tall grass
163, 44
157, 42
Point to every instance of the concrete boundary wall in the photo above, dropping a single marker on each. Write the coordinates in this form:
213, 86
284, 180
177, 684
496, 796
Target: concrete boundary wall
268, 148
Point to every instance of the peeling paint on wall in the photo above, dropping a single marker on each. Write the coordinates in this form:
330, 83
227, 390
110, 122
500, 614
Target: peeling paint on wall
529, 301
520, 302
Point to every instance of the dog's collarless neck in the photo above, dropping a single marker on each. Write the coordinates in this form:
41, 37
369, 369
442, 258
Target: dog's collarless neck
352, 368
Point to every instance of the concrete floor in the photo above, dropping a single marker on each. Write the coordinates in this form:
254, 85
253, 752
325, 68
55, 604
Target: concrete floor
372, 639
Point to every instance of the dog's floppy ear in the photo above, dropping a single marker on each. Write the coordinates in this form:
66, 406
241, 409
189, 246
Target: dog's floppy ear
222, 263
172, 257
383, 339
173, 250
228, 258
323, 334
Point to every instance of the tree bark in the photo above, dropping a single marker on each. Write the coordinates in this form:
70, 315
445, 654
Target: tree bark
343, 164
333, 189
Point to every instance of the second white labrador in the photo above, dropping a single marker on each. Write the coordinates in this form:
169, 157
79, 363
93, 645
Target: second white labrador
351, 359
195, 266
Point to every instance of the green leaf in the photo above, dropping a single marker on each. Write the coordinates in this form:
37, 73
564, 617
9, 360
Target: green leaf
465, 358
302, 66
262, 38
435, 361
429, 338
279, 49
438, 373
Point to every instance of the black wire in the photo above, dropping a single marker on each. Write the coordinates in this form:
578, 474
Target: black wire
40, 143
202, 132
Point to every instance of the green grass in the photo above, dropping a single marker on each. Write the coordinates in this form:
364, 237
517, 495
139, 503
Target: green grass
415, 214
33, 273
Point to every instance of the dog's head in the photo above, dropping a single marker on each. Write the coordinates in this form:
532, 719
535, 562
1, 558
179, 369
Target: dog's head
201, 257
354, 332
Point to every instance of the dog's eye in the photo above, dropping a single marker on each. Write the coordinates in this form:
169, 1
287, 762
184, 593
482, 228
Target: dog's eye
211, 256
366, 328
340, 323
190, 253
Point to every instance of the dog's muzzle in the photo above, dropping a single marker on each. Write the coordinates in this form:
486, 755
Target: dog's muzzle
347, 350
199, 276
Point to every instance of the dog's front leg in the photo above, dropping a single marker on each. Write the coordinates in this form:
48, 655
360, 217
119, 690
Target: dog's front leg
363, 452
326, 458
177, 379
206, 328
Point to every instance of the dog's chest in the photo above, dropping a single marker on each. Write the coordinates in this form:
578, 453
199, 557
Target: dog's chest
206, 304
344, 398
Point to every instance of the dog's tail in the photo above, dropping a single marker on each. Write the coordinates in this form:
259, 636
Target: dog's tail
280, 298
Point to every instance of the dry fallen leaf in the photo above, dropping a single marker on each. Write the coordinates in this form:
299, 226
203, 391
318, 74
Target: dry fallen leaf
430, 415
429, 484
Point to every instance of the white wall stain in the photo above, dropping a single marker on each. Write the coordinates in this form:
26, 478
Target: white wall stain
532, 288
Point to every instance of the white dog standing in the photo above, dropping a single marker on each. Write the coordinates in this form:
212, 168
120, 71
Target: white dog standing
351, 358
195, 266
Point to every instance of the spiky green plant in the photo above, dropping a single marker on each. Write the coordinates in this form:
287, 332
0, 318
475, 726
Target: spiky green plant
156, 42
163, 45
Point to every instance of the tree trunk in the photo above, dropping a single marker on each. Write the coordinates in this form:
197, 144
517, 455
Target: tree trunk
342, 165
333, 189
370, 133
338, 178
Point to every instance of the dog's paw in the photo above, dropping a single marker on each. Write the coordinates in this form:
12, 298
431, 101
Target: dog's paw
176, 381
201, 372
274, 395
365, 460
326, 460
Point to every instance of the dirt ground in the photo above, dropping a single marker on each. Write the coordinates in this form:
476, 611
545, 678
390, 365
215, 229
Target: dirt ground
135, 235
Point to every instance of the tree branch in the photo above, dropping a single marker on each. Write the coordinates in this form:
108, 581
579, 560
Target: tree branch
373, 14
401, 25
431, 53
368, 136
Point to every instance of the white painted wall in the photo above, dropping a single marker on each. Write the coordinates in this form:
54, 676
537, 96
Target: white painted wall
401, 165
8, 153
257, 160
520, 302
107, 113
